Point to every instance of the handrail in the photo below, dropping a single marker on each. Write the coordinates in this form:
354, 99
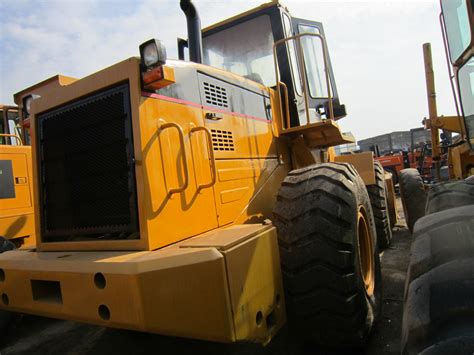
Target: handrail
212, 162
12, 136
287, 104
184, 185
302, 68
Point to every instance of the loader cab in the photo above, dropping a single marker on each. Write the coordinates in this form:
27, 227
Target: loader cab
457, 20
269, 46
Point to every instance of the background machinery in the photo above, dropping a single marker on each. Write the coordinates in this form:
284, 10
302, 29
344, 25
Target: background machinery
403, 149
16, 195
156, 182
439, 310
17, 225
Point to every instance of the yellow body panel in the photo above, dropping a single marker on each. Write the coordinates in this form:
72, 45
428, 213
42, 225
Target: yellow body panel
326, 133
55, 95
251, 138
246, 189
447, 123
17, 213
209, 287
363, 163
391, 199
162, 169
159, 166
461, 161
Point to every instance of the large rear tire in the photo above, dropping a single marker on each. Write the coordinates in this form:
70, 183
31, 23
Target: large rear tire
329, 254
439, 306
413, 196
378, 200
438, 315
449, 195
439, 238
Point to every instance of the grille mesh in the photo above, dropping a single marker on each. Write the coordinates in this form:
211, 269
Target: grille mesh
222, 140
215, 95
86, 167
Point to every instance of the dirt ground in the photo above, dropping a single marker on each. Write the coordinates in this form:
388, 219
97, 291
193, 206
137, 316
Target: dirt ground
36, 335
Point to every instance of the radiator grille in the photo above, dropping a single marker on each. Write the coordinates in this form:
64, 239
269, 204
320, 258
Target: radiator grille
86, 168
222, 140
215, 95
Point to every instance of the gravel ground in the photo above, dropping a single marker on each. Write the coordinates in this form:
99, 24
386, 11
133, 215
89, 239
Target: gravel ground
36, 335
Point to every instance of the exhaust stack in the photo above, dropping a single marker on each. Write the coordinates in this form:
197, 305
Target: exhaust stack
194, 30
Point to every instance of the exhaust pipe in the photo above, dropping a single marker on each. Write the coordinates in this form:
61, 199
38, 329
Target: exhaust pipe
194, 30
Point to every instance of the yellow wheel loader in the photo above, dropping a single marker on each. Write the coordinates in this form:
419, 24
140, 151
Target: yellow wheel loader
439, 310
202, 198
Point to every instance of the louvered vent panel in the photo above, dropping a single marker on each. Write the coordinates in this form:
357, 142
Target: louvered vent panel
222, 140
215, 95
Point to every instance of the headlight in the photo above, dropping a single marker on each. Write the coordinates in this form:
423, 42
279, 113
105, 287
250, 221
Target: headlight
28, 102
150, 55
153, 53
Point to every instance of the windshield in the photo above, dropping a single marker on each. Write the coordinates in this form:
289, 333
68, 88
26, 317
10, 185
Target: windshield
245, 49
466, 90
458, 30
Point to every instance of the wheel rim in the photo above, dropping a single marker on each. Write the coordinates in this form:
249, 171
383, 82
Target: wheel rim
366, 252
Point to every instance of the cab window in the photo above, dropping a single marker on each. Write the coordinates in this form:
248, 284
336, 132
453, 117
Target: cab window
466, 90
314, 62
458, 30
245, 49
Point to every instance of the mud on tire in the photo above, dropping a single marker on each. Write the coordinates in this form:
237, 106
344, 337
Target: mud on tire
332, 286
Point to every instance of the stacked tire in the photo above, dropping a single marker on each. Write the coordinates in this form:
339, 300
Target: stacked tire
413, 195
438, 313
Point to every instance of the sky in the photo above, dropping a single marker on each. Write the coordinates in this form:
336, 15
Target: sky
375, 47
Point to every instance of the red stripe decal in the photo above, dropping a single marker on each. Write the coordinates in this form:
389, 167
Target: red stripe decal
170, 99
190, 103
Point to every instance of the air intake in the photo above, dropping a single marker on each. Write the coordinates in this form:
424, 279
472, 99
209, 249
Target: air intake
215, 95
222, 140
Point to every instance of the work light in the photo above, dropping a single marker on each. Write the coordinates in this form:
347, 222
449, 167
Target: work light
27, 100
152, 53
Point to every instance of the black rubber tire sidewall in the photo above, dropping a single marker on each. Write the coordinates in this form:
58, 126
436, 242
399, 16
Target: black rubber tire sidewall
413, 196
369, 307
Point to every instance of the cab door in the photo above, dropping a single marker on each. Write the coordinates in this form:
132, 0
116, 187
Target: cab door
310, 68
313, 51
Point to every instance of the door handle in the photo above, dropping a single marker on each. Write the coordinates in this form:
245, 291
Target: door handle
212, 162
214, 116
184, 160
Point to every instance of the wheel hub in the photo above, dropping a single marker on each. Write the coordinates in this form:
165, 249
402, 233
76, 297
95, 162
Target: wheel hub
366, 252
